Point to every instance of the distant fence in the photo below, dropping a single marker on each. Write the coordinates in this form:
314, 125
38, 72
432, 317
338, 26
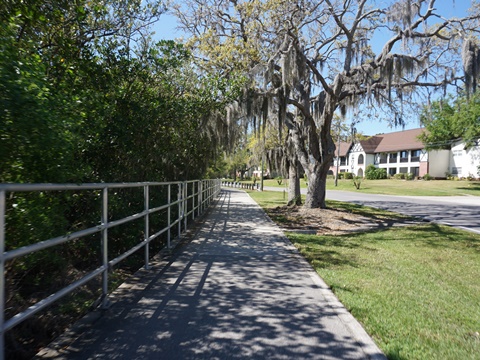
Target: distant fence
192, 199
241, 185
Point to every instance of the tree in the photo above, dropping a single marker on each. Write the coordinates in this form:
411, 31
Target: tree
86, 96
313, 59
450, 119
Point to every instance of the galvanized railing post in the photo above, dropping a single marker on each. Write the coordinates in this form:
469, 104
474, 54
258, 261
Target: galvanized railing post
193, 199
169, 202
185, 204
199, 201
179, 199
104, 233
2, 274
147, 224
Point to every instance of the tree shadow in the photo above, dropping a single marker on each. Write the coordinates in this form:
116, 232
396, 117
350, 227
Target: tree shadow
239, 290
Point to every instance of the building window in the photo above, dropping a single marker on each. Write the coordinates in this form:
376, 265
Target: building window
415, 155
383, 158
343, 160
456, 171
415, 171
392, 158
403, 156
392, 171
360, 159
403, 170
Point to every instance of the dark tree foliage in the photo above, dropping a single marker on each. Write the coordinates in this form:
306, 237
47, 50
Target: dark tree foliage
86, 96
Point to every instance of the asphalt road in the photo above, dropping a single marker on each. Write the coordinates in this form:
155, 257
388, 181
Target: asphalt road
458, 211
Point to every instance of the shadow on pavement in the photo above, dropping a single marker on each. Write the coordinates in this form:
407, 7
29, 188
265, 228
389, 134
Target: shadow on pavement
239, 290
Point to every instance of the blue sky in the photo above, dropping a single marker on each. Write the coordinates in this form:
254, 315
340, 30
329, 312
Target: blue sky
165, 29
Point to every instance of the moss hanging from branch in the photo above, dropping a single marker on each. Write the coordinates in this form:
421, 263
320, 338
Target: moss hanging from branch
471, 64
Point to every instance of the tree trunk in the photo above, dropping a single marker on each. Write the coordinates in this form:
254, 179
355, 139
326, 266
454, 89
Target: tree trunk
317, 181
294, 195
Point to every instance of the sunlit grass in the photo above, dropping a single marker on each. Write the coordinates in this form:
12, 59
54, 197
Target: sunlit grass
414, 288
400, 187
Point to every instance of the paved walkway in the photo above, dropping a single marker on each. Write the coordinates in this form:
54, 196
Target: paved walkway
238, 290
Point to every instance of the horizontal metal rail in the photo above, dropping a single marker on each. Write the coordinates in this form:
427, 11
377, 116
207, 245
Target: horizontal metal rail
193, 197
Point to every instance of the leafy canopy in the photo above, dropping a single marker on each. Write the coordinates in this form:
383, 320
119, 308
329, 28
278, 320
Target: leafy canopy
451, 119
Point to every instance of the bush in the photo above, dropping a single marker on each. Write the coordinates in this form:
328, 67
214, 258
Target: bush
409, 176
357, 181
372, 173
348, 175
399, 176
427, 177
470, 177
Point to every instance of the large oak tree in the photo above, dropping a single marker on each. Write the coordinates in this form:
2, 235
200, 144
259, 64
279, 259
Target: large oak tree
309, 59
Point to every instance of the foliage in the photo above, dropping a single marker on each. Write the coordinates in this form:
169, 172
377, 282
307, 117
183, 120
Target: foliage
345, 175
427, 177
450, 119
357, 182
307, 61
373, 173
86, 96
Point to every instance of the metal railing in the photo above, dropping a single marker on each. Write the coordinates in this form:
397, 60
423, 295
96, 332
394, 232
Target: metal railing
193, 198
241, 185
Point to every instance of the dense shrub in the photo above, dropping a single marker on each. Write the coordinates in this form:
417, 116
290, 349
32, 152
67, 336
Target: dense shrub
373, 173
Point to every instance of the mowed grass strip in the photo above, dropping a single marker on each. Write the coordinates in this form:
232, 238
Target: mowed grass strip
400, 187
415, 289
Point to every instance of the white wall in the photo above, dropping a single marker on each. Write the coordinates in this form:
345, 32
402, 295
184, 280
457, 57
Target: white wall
438, 162
465, 161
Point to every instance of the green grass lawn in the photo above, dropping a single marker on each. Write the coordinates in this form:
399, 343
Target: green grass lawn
401, 187
415, 289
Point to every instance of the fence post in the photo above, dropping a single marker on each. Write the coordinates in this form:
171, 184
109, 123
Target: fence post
185, 204
169, 202
2, 274
104, 221
179, 199
201, 195
146, 195
193, 199
199, 198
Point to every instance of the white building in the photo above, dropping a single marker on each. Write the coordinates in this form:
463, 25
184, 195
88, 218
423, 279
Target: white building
403, 152
464, 162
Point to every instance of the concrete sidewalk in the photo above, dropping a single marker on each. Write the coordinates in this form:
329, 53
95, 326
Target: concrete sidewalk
238, 290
